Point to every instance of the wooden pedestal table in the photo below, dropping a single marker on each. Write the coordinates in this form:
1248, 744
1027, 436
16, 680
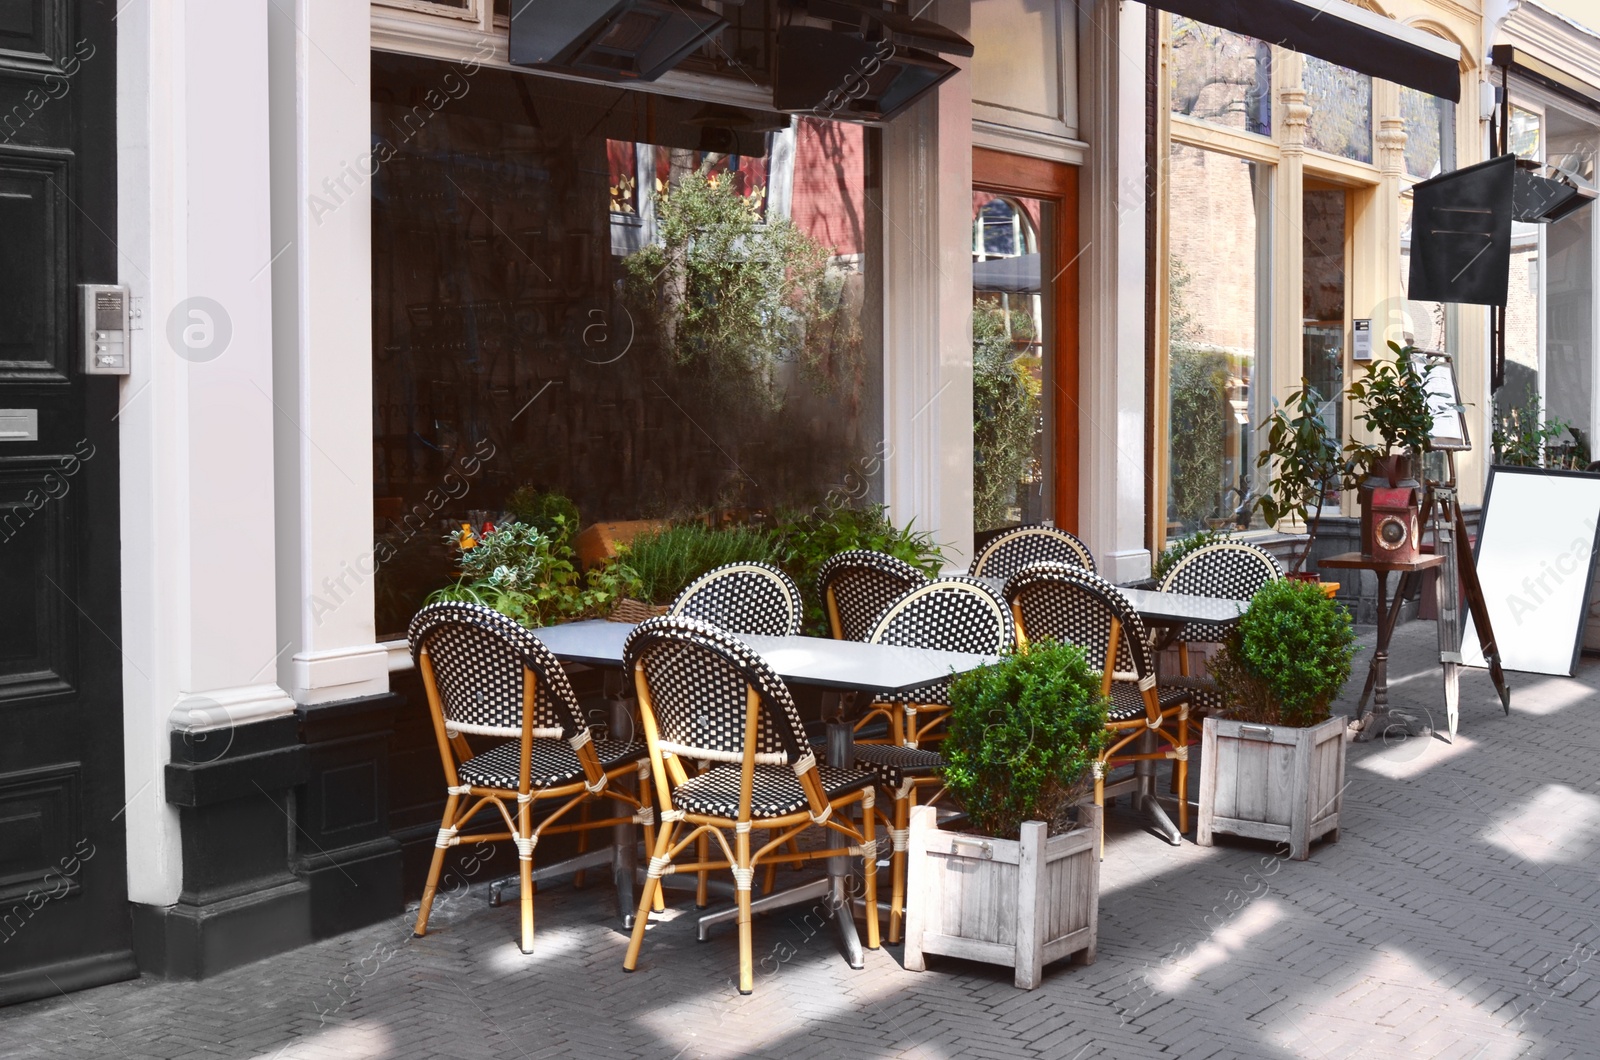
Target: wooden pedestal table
1381, 721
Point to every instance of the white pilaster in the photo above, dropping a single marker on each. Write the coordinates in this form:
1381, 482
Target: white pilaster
196, 420
1111, 500
322, 171
927, 299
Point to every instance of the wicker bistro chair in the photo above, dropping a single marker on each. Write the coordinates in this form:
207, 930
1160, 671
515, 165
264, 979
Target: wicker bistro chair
1073, 606
487, 676
1016, 548
753, 598
954, 613
858, 586
1229, 570
705, 696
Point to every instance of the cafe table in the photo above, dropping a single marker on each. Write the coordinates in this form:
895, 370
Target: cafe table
835, 665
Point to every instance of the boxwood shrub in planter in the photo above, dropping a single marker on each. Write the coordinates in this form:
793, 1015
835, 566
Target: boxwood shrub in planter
1022, 887
1272, 762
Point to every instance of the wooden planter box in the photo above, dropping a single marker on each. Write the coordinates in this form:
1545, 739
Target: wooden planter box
1271, 782
1021, 903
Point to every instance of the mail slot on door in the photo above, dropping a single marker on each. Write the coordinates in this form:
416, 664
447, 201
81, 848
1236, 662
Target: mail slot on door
19, 425
105, 329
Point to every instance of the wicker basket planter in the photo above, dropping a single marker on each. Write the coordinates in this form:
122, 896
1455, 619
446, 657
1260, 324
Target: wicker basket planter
1271, 782
1021, 903
635, 611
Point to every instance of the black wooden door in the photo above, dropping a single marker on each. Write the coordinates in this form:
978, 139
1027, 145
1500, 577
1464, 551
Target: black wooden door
64, 920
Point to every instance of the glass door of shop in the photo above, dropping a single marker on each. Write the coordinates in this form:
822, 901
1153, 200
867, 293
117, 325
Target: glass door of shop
1024, 342
1324, 232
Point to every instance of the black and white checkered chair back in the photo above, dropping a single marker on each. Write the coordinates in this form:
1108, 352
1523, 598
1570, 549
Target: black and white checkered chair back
954, 613
1015, 549
697, 675
861, 585
754, 598
1227, 570
1069, 605
478, 656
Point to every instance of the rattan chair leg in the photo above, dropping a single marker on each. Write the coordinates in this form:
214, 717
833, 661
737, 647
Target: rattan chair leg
1100, 801
1180, 770
434, 869
525, 868
769, 881
702, 891
869, 873
649, 894
743, 877
897, 868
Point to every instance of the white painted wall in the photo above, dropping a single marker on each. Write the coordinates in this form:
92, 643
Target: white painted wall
199, 645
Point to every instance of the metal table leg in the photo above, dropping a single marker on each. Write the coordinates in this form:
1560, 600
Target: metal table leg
1381, 722
624, 844
1145, 793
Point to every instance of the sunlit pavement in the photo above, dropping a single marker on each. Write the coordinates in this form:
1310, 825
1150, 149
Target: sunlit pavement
1455, 917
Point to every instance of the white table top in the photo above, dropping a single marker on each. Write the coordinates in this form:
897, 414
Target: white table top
1161, 608
816, 661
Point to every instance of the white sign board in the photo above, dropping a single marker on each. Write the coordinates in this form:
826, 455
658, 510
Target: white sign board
1449, 431
1535, 560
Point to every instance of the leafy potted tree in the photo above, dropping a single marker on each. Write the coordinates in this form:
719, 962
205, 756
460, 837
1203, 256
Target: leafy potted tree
1022, 887
1306, 462
1272, 759
1392, 402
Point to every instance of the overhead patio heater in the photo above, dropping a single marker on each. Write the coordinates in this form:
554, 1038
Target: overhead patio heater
865, 64
611, 40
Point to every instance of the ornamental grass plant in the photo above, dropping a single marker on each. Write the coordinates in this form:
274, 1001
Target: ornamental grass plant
1023, 738
1288, 657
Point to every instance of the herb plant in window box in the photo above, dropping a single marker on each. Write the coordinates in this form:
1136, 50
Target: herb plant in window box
1022, 888
1272, 760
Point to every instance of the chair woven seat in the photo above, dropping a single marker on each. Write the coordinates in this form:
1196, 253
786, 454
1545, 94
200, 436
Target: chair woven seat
1127, 702
552, 762
893, 765
774, 792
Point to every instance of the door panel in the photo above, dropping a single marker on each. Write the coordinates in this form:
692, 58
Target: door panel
1048, 193
64, 919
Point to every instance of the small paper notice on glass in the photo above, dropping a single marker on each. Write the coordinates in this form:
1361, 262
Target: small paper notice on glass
1449, 431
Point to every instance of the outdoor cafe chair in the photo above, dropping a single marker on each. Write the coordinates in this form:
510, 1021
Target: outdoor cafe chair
1069, 605
753, 598
1227, 570
705, 696
487, 677
1013, 549
856, 587
954, 613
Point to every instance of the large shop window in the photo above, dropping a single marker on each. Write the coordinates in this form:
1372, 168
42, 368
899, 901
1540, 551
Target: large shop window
657, 307
1550, 307
1220, 77
1217, 338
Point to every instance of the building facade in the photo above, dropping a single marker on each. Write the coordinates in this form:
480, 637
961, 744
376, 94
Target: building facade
380, 278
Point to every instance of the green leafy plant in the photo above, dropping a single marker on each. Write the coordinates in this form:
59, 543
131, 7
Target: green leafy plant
1392, 403
552, 514
1305, 460
1023, 738
808, 540
531, 577
1199, 416
1005, 413
667, 560
1288, 657
1521, 440
728, 292
1182, 547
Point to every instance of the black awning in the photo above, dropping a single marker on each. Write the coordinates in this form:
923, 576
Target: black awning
1340, 33
1547, 76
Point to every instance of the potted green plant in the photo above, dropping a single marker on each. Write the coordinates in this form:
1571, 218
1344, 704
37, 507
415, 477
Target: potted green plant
1306, 462
1022, 887
1391, 401
1272, 759
530, 576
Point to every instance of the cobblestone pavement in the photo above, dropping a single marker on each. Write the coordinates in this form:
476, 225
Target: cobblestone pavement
1455, 917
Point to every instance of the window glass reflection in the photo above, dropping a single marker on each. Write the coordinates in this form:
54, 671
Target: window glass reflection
1341, 109
1220, 77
